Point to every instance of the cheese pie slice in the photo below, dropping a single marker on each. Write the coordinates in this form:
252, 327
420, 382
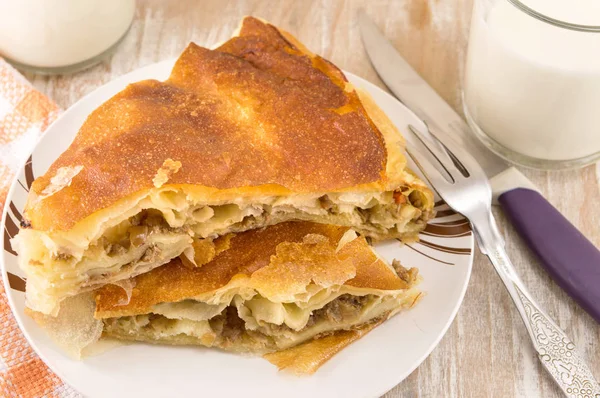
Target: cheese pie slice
256, 132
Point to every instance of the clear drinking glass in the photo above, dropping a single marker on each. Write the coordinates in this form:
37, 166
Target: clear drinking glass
532, 80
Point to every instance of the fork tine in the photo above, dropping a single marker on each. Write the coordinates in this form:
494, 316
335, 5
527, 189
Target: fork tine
436, 151
433, 175
461, 155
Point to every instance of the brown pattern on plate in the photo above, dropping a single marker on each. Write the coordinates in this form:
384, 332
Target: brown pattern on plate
428, 256
16, 282
10, 230
29, 177
446, 229
446, 249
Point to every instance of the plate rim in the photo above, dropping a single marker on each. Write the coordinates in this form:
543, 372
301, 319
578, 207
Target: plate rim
56, 370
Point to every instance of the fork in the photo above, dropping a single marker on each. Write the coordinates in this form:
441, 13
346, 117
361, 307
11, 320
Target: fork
463, 185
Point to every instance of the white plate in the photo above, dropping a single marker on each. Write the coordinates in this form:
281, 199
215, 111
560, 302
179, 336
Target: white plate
367, 368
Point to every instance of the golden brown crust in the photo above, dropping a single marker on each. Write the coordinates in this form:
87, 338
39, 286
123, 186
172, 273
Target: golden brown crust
276, 260
256, 111
205, 250
371, 271
295, 265
307, 358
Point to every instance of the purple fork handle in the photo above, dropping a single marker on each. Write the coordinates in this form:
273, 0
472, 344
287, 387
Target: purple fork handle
568, 256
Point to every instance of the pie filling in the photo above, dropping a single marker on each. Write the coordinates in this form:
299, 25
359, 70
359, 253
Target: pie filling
236, 328
153, 237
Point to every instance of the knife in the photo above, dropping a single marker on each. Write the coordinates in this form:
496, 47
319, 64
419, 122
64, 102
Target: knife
567, 255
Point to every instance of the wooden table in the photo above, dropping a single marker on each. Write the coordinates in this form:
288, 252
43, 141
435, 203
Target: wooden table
486, 351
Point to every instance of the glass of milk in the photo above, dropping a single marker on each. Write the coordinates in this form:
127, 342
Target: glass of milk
532, 80
61, 36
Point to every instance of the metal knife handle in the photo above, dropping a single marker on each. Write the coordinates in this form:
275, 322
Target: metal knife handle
555, 349
566, 254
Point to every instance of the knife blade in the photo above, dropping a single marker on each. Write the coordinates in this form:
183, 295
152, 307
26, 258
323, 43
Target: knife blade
566, 254
410, 88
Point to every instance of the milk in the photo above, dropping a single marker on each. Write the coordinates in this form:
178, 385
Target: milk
58, 33
532, 87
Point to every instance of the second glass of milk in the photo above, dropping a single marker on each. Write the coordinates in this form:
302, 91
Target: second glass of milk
532, 80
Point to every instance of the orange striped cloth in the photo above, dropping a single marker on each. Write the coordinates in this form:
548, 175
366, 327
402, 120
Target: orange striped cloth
24, 114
